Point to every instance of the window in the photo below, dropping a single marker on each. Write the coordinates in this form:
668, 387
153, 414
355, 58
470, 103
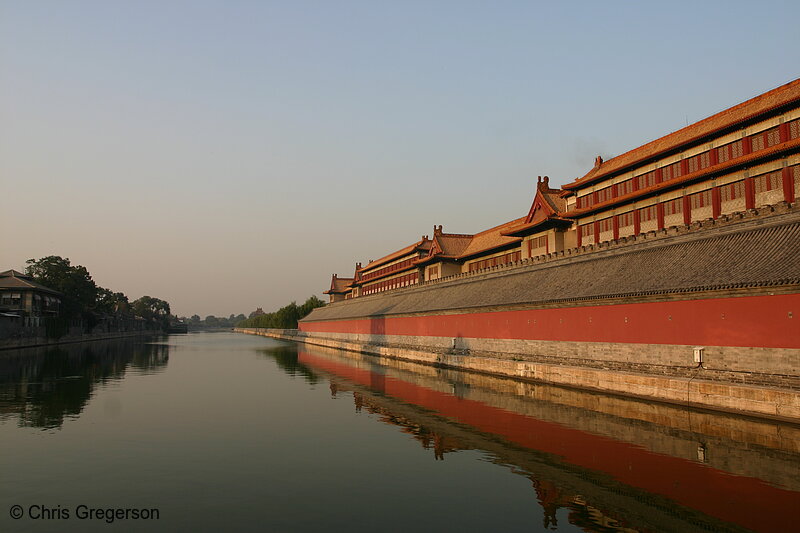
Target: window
494, 261
730, 151
648, 213
625, 219
794, 129
700, 199
670, 172
585, 201
765, 139
673, 207
646, 180
603, 195
698, 162
625, 187
732, 191
607, 224
768, 182
587, 230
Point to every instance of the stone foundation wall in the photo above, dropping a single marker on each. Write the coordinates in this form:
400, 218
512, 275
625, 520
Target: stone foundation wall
698, 387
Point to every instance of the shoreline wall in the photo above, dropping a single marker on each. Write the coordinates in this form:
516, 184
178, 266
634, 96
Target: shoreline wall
34, 342
694, 389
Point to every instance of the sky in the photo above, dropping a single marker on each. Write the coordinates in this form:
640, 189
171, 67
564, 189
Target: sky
228, 155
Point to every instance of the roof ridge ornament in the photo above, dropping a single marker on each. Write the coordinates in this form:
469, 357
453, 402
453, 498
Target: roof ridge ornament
598, 161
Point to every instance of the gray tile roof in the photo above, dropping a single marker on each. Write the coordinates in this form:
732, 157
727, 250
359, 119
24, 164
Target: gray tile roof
755, 253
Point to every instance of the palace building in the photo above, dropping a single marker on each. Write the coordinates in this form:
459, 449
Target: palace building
740, 159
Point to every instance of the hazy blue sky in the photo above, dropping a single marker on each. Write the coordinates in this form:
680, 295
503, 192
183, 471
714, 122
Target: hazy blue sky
233, 154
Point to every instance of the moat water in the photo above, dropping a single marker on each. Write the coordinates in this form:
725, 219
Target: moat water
229, 432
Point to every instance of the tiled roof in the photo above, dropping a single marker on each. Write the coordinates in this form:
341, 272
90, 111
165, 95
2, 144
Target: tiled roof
783, 95
11, 279
492, 238
749, 255
421, 245
341, 284
453, 244
547, 205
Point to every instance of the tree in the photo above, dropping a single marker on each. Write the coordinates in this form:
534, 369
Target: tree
112, 303
153, 309
79, 291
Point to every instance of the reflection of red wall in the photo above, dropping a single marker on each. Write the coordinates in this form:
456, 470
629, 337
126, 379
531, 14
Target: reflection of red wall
745, 501
763, 321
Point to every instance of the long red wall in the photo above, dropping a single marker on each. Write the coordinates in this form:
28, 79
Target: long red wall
757, 321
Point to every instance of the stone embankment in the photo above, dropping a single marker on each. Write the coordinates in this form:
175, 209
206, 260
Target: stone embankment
693, 389
36, 341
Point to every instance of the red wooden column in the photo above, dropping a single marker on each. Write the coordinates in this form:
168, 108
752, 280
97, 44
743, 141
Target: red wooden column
687, 210
784, 132
596, 228
788, 185
660, 215
580, 235
716, 202
637, 224
615, 224
747, 146
749, 193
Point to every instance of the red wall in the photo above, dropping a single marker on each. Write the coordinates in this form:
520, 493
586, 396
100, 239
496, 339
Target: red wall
759, 321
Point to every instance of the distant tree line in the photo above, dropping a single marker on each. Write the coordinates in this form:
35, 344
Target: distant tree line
84, 299
284, 318
212, 322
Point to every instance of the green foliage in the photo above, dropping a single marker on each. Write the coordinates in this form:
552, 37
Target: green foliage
74, 282
153, 309
82, 298
284, 318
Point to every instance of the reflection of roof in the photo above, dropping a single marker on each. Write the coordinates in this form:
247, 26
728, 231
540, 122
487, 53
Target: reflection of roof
712, 125
421, 245
11, 279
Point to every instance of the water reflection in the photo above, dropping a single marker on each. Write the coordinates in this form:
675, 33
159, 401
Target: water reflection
606, 463
42, 387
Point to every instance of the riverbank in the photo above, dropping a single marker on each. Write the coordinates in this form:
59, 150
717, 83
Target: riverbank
692, 389
33, 342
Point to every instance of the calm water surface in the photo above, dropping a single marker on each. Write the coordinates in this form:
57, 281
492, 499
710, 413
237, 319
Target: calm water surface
223, 431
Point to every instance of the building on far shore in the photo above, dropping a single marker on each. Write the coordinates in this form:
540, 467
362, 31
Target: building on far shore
743, 158
22, 297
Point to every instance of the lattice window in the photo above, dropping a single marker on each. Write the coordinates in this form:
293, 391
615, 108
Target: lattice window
670, 172
606, 224
794, 129
732, 191
730, 151
625, 219
585, 201
700, 199
539, 242
672, 207
625, 187
768, 182
699, 162
603, 195
648, 213
587, 230
646, 180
